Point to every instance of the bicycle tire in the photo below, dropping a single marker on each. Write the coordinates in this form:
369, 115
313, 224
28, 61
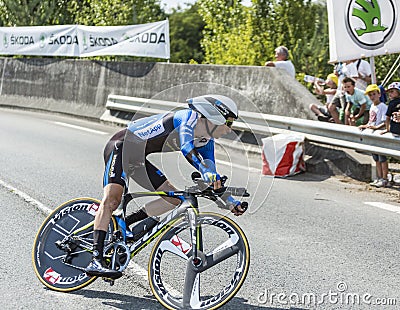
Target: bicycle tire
171, 256
47, 258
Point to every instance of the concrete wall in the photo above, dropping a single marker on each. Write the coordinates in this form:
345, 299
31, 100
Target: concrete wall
82, 86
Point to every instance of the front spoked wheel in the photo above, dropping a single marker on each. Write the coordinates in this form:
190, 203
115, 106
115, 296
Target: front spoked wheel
211, 280
64, 244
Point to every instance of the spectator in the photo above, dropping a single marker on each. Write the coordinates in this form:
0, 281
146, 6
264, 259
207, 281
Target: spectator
338, 100
360, 71
282, 61
322, 112
392, 114
357, 103
377, 117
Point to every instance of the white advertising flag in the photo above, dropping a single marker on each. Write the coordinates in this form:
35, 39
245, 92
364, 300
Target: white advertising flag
39, 40
147, 40
363, 28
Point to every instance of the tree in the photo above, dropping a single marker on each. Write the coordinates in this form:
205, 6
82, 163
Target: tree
222, 22
263, 30
186, 34
235, 34
383, 64
86, 12
33, 12
115, 12
300, 25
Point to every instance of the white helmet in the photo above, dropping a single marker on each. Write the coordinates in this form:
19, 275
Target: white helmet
394, 85
215, 108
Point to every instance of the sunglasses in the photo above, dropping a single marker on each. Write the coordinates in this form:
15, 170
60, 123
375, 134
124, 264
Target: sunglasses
229, 123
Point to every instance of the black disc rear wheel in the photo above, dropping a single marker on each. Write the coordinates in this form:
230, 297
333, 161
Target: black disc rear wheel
63, 245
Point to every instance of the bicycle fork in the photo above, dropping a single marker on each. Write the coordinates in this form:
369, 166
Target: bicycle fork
191, 291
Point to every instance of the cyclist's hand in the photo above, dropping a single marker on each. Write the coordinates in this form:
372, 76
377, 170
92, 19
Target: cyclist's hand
236, 207
212, 178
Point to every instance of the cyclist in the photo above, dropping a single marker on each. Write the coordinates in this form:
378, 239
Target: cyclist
191, 131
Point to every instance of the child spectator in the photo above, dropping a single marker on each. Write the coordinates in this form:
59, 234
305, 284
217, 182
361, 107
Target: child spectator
377, 117
358, 104
338, 102
322, 111
393, 109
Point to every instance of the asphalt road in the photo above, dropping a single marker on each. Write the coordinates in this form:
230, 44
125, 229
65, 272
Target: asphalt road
319, 240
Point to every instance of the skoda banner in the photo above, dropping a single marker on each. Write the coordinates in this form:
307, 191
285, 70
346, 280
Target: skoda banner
147, 40
363, 28
40, 40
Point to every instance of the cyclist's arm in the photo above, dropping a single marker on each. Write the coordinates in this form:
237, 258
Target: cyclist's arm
207, 166
185, 122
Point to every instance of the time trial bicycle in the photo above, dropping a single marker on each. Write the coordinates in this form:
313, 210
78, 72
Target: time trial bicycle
199, 261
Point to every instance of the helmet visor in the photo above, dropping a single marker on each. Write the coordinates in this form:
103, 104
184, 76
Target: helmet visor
208, 111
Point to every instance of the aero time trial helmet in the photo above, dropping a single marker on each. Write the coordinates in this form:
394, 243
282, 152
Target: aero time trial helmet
215, 108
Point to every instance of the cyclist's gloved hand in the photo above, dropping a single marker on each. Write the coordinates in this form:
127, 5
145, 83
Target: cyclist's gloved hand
210, 177
236, 207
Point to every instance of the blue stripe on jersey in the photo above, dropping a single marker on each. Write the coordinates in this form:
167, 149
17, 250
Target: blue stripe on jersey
124, 177
107, 170
185, 122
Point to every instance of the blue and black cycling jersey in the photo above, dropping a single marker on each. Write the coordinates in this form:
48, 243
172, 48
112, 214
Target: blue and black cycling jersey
159, 133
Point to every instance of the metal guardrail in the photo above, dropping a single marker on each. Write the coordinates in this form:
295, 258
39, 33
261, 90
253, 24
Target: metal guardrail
265, 124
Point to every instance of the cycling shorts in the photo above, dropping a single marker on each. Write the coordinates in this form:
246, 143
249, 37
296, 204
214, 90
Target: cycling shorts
141, 170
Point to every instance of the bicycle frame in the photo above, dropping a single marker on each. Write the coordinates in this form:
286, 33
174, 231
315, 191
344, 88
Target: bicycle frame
188, 202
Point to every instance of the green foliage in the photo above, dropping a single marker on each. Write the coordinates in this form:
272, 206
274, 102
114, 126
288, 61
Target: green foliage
185, 35
33, 12
223, 24
235, 34
239, 47
383, 65
115, 12
85, 12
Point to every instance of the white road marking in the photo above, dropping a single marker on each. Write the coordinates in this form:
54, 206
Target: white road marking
384, 206
137, 269
81, 128
27, 198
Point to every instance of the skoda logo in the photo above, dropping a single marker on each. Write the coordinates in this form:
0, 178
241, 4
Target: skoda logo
5, 41
42, 39
371, 23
